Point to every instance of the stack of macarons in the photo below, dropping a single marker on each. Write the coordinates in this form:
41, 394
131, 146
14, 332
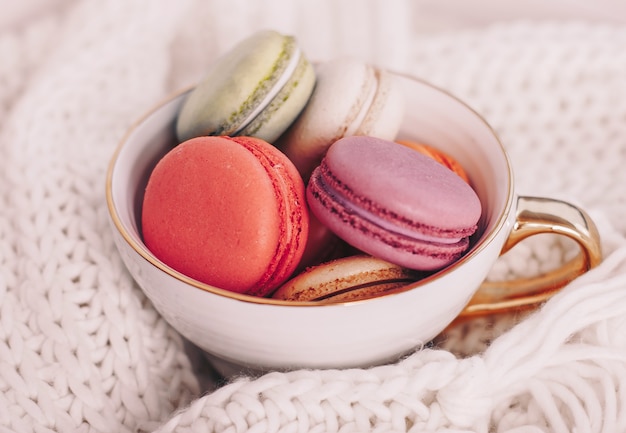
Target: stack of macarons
287, 181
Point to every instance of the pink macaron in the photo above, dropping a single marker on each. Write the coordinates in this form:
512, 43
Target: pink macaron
229, 212
394, 203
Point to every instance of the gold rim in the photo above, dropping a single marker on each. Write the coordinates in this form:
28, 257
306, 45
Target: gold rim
146, 255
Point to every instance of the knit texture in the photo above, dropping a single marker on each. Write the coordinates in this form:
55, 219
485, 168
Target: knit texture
83, 350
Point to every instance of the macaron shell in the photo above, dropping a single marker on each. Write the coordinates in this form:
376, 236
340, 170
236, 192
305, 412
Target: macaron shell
238, 81
404, 183
439, 156
294, 217
410, 194
343, 87
372, 239
346, 279
214, 211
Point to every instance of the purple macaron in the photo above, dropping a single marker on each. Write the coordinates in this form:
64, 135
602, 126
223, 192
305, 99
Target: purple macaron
394, 203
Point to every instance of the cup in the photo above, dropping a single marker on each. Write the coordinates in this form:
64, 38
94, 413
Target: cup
245, 333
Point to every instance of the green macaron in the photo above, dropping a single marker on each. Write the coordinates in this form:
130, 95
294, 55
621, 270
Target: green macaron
258, 88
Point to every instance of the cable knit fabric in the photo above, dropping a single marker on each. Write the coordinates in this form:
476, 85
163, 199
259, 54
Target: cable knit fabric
83, 350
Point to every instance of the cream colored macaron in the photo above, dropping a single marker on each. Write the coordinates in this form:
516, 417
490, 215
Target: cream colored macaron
350, 98
346, 279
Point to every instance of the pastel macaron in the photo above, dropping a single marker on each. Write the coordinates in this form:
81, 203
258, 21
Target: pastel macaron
346, 279
322, 245
228, 212
394, 203
350, 98
438, 155
257, 89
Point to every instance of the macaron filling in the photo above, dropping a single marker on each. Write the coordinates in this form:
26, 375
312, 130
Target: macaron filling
374, 219
283, 79
368, 289
372, 90
327, 183
348, 278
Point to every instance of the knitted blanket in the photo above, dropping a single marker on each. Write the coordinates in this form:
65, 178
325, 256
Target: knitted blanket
83, 350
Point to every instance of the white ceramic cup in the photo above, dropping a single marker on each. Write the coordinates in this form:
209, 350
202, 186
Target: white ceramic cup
243, 332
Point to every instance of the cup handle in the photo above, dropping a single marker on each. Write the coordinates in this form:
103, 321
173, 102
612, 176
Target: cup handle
537, 215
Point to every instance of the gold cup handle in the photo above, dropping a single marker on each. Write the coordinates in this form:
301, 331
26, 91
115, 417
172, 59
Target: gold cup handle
537, 215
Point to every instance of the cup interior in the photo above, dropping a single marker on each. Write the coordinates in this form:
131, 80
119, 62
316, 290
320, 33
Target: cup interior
143, 146
432, 116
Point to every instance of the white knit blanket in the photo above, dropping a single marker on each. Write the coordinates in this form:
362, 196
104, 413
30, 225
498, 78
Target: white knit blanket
81, 348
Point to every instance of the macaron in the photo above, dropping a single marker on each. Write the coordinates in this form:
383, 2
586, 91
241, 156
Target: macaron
322, 245
438, 155
346, 279
257, 89
350, 98
394, 203
227, 211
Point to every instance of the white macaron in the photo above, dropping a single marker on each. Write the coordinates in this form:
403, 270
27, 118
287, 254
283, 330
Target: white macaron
350, 98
